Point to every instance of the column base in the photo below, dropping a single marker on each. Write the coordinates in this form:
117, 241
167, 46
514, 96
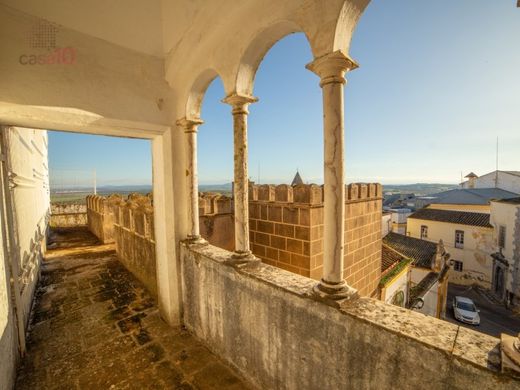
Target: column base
240, 258
193, 240
334, 294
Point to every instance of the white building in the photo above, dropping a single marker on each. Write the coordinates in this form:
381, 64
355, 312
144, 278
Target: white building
505, 218
505, 180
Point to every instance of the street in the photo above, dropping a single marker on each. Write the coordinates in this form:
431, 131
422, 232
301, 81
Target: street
494, 319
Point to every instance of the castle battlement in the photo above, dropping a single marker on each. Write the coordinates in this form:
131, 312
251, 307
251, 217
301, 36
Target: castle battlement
311, 194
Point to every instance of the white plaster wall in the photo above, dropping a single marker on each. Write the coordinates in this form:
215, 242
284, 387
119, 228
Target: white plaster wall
506, 182
430, 301
476, 254
29, 179
109, 87
134, 24
8, 341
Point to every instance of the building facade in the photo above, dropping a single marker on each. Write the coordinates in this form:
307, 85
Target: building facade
505, 281
467, 236
505, 180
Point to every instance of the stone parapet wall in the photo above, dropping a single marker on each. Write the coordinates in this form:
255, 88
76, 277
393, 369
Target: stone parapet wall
128, 223
100, 218
286, 230
68, 215
134, 238
266, 322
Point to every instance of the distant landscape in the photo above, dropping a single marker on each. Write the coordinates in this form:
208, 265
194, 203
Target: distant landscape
78, 194
418, 188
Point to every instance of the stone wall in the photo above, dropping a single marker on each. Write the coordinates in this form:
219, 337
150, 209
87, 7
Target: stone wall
265, 322
133, 233
68, 215
100, 218
286, 227
129, 224
216, 220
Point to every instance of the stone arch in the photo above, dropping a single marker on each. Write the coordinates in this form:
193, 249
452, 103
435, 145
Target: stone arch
197, 92
347, 21
256, 51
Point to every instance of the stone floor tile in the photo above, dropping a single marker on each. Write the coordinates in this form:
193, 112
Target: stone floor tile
94, 326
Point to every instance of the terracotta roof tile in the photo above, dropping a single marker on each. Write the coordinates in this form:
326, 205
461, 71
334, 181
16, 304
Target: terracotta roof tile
421, 252
451, 216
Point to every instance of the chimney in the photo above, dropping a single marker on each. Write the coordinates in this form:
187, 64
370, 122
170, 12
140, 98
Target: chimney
472, 179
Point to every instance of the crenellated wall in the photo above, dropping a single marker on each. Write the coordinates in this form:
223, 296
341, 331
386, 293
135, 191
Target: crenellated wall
286, 230
100, 219
216, 220
129, 224
68, 214
134, 237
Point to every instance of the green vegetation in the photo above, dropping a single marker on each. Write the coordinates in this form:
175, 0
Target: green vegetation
394, 272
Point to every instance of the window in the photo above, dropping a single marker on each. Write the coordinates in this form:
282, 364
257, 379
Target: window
501, 237
459, 239
424, 232
457, 265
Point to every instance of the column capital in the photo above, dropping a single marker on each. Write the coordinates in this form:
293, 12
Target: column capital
189, 125
239, 102
331, 68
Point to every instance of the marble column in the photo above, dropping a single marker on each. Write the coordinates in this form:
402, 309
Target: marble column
239, 104
331, 69
190, 127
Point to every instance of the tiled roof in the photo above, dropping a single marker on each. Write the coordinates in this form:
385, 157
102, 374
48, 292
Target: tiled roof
479, 196
389, 257
421, 252
451, 216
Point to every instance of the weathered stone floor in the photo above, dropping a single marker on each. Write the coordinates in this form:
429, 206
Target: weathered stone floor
94, 326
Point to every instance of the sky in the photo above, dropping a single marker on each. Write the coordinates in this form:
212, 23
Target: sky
438, 82
73, 159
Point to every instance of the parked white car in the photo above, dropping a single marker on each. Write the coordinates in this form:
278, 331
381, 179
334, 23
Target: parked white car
465, 311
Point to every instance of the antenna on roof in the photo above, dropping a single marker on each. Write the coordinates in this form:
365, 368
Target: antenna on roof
496, 170
461, 180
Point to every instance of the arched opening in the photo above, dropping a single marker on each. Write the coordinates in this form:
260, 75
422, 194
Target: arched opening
285, 144
215, 168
